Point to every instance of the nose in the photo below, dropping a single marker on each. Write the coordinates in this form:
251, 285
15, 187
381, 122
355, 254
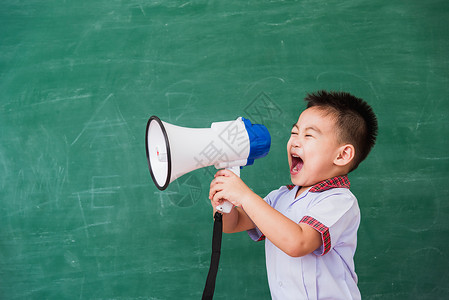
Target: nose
295, 141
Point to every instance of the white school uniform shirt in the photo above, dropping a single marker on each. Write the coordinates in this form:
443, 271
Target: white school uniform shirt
328, 272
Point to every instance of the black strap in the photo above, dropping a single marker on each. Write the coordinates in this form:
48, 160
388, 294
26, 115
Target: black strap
208, 292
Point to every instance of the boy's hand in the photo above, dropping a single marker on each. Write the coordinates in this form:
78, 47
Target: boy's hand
228, 186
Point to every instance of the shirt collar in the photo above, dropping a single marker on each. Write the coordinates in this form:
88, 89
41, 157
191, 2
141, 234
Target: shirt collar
335, 182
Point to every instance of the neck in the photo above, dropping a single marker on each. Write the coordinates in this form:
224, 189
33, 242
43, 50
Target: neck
301, 190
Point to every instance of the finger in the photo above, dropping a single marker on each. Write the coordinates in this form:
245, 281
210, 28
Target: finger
214, 188
216, 203
218, 180
218, 197
223, 172
213, 183
212, 202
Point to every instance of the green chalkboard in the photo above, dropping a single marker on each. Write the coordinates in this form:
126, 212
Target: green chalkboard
80, 217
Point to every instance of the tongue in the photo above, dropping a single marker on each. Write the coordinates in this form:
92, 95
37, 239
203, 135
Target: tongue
297, 164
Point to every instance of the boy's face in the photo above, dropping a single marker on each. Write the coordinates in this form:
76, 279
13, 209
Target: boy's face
312, 148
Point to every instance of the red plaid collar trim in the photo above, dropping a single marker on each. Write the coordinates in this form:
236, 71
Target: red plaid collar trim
335, 182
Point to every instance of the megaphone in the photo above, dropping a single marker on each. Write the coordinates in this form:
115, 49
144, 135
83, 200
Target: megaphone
173, 151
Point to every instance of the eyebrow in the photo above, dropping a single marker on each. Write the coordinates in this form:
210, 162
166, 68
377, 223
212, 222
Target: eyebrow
307, 128
313, 128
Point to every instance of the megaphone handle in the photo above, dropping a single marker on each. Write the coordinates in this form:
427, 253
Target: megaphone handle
227, 206
235, 170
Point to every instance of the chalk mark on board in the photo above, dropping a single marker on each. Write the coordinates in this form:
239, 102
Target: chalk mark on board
62, 99
185, 4
82, 215
101, 186
92, 117
342, 73
85, 228
82, 287
123, 120
141, 9
258, 82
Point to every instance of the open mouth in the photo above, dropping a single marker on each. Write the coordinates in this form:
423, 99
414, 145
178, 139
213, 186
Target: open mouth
296, 166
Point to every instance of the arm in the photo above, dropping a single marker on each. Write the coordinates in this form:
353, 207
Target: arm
292, 238
235, 221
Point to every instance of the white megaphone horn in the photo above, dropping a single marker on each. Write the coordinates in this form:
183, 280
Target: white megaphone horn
173, 151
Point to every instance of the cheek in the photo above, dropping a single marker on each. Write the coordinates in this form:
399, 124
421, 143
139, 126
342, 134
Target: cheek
289, 144
288, 151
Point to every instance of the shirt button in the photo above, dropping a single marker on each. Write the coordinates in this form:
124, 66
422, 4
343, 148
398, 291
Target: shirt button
280, 283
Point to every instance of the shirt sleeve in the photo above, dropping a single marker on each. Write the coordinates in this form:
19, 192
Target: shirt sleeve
255, 234
332, 215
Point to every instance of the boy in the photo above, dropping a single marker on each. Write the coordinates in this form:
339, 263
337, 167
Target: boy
311, 226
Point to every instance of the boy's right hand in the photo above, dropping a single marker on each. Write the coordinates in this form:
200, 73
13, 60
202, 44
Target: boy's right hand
228, 186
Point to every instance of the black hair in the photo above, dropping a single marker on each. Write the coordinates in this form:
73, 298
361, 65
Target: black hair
355, 120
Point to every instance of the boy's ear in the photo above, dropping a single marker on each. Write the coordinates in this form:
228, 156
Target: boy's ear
345, 155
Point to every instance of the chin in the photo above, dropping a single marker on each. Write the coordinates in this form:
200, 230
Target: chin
296, 181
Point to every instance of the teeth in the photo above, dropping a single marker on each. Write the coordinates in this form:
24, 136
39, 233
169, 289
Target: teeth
293, 155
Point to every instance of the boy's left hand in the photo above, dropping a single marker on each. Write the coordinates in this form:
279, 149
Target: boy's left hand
228, 186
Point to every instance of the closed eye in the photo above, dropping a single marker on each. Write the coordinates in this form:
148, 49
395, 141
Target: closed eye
294, 129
